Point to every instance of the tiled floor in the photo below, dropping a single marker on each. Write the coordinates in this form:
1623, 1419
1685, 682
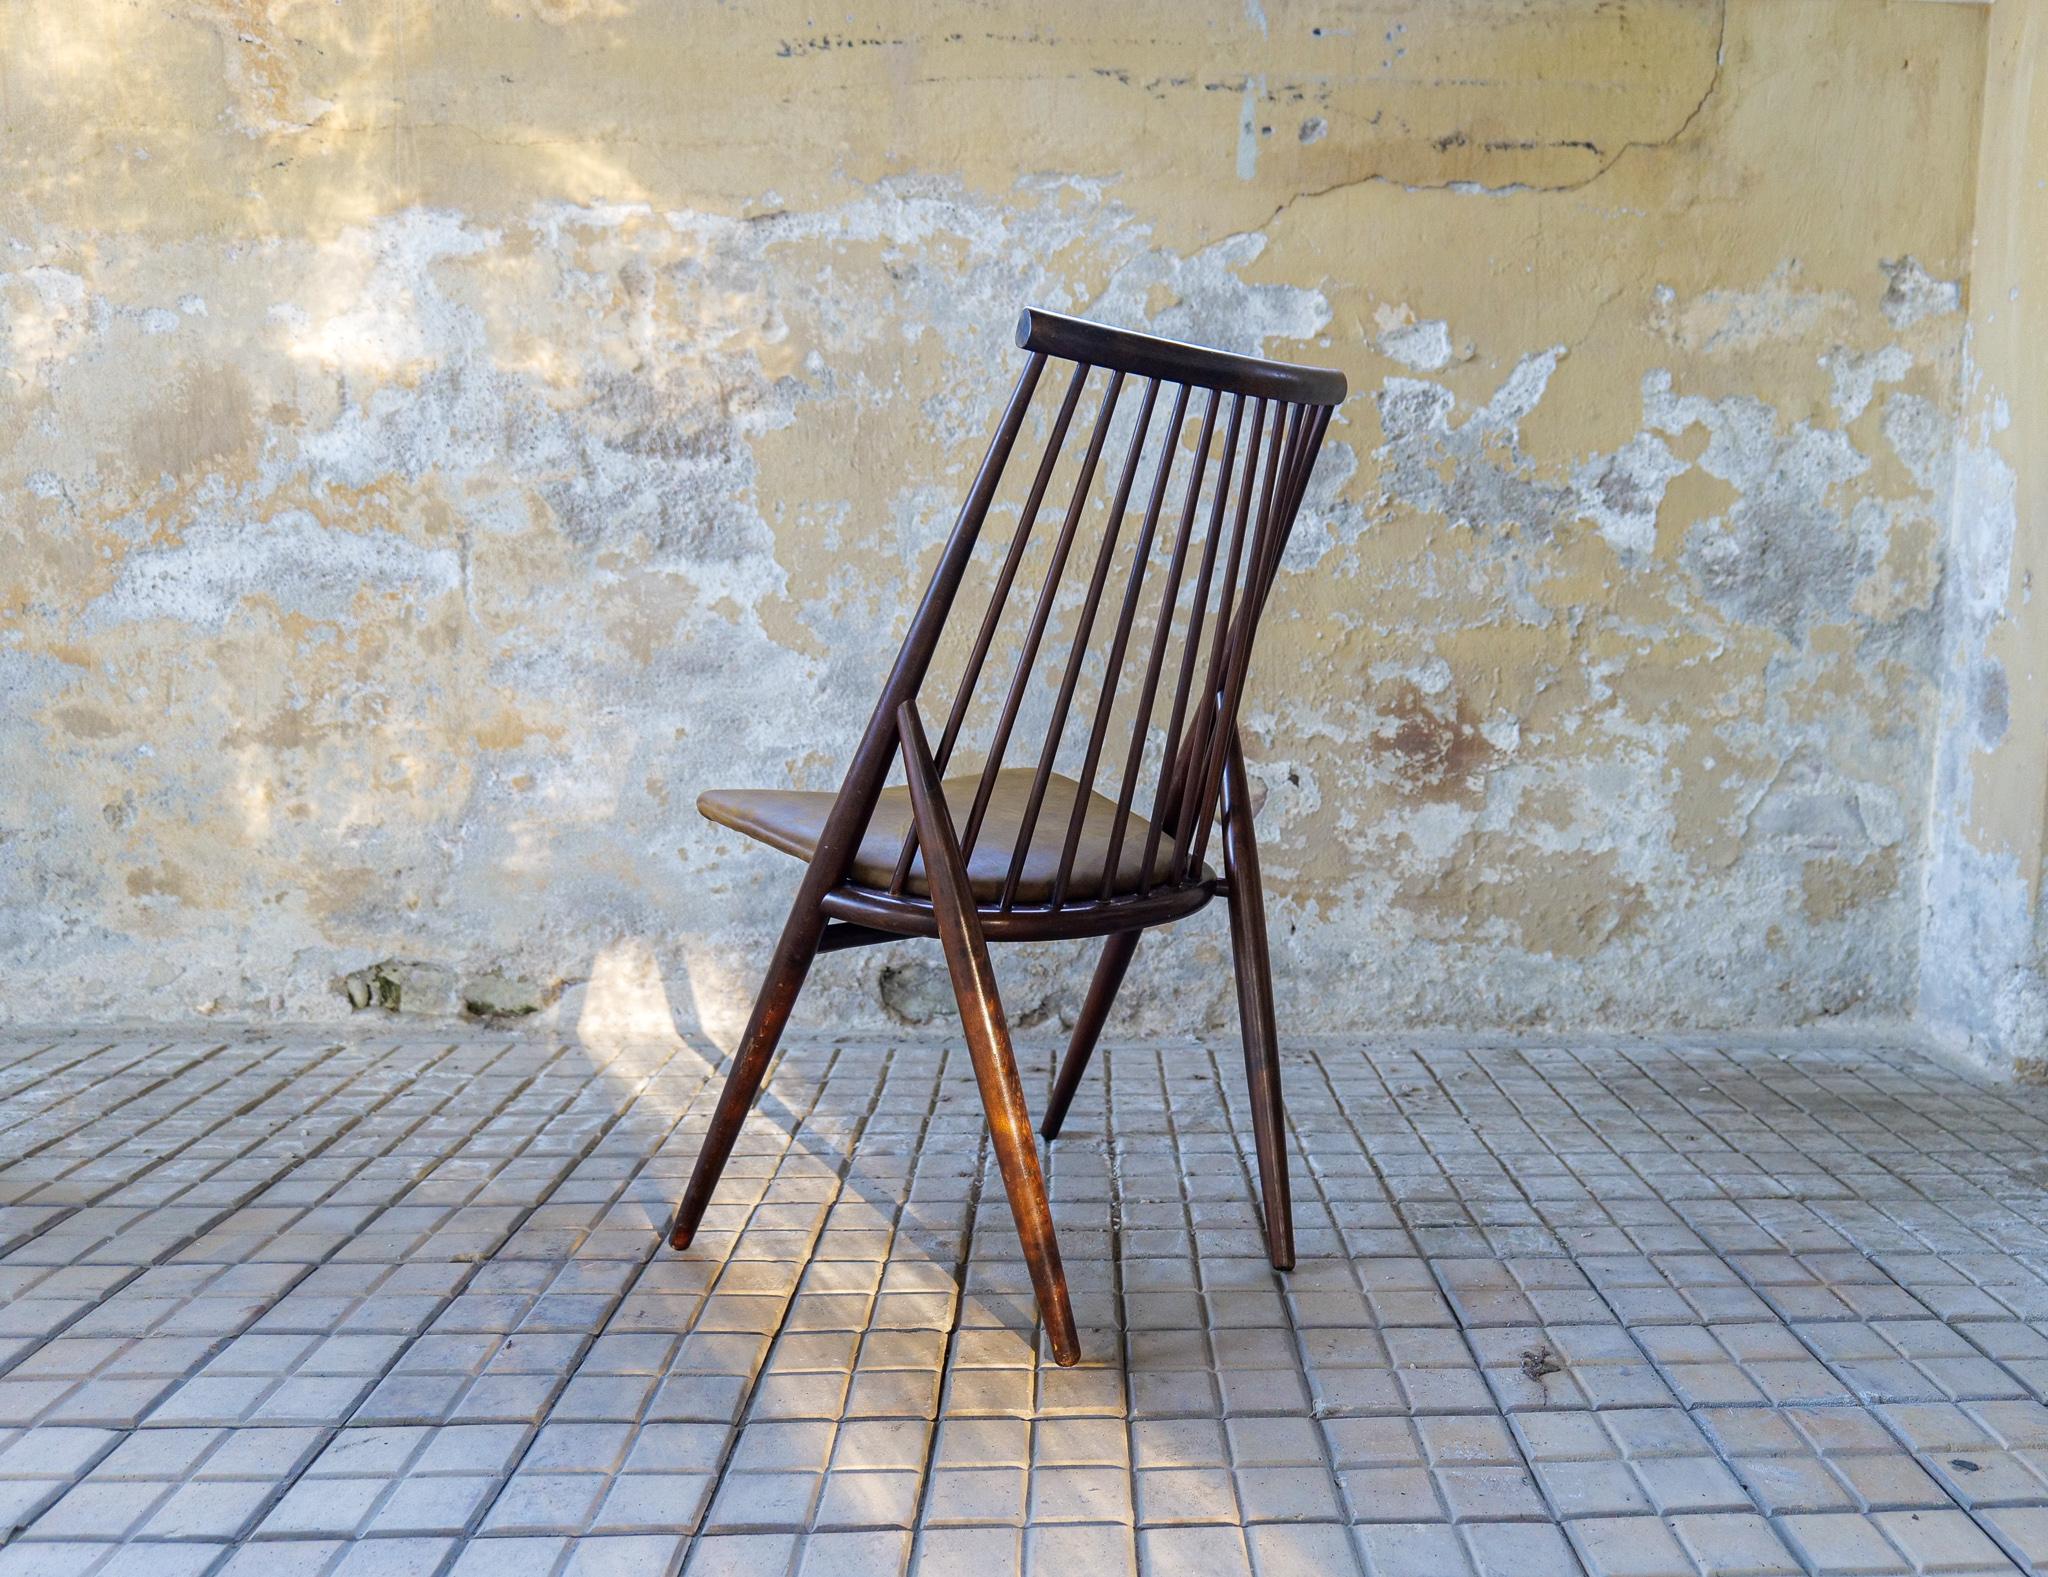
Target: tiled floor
285, 1304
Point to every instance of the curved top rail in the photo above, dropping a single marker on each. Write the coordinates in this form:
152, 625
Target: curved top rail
1148, 356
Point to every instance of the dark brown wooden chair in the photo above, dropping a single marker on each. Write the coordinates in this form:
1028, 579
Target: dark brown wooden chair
1051, 847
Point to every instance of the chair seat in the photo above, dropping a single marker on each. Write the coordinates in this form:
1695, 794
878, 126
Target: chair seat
792, 819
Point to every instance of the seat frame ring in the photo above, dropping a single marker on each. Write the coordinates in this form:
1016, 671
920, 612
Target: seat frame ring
908, 915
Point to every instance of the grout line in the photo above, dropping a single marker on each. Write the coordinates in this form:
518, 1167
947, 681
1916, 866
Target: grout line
1429, 1261
184, 1242
1850, 1399
1289, 1144
962, 1269
1113, 1185
510, 1234
743, 1414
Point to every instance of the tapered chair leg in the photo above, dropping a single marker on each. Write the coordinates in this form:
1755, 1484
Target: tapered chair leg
787, 967
988, 1038
1255, 1006
1109, 974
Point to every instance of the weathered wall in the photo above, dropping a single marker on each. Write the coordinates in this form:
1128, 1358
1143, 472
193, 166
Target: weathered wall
437, 440
1985, 985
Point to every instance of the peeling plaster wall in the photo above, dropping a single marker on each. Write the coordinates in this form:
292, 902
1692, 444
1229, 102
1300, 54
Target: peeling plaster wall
440, 440
1985, 985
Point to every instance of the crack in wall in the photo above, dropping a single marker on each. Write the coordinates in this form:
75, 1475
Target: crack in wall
1520, 188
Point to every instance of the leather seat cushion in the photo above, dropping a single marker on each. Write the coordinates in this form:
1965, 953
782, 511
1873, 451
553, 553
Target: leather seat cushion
792, 819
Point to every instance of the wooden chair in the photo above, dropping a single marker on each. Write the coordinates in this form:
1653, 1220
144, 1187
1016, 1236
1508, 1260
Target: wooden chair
1050, 848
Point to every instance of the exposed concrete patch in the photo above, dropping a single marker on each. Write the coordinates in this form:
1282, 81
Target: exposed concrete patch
1725, 322
916, 992
494, 996
290, 560
430, 990
403, 985
1856, 377
1425, 347
1471, 472
1913, 294
1621, 493
1985, 988
1783, 556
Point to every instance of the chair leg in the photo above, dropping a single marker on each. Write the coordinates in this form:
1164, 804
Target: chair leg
787, 967
1109, 974
988, 1038
1255, 1005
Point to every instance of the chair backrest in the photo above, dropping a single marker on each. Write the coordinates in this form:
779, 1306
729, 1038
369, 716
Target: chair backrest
1158, 679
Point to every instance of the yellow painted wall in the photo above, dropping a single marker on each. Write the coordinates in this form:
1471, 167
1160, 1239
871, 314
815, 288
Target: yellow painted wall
1985, 981
436, 440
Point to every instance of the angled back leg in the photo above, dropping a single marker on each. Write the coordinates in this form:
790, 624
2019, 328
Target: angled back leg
988, 1037
1102, 989
1255, 1005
